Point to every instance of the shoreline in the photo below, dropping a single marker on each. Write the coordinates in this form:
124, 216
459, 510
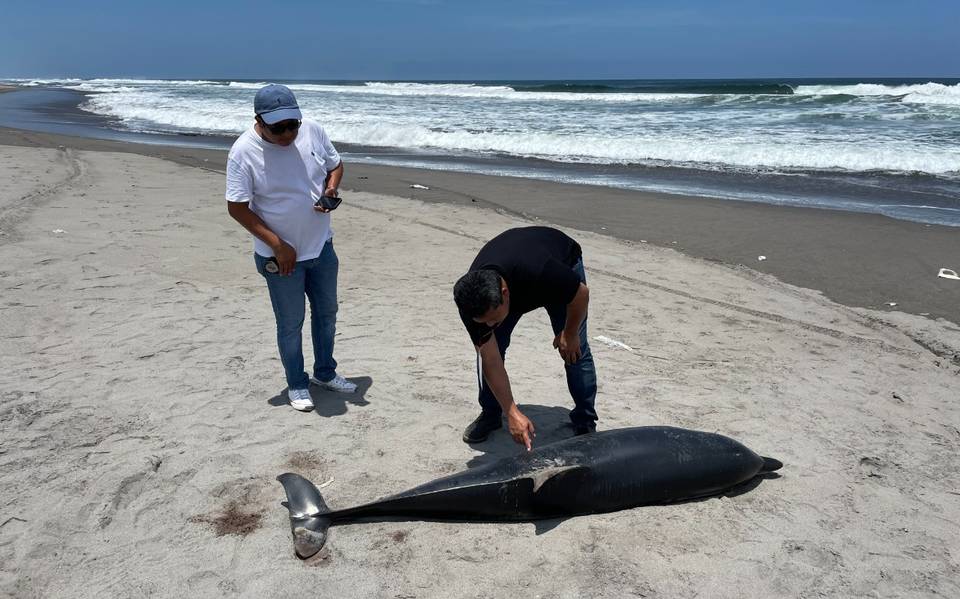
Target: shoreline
912, 197
859, 260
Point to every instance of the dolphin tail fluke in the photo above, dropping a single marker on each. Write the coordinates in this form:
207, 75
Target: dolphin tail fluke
308, 519
770, 464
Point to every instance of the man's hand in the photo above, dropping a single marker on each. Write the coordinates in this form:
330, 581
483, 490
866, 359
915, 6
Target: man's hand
521, 429
330, 192
568, 344
286, 257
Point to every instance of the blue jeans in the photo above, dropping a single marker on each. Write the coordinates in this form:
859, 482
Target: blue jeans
316, 280
581, 375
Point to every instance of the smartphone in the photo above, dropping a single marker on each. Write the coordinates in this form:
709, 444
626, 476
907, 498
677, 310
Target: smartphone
328, 202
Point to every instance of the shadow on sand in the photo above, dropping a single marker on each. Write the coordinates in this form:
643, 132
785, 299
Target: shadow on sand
330, 403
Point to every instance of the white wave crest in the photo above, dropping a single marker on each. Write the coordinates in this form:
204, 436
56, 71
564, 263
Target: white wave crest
635, 149
489, 92
464, 117
110, 84
404, 89
246, 84
508, 93
154, 112
926, 93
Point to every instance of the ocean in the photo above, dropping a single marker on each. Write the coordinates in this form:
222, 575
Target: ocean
882, 146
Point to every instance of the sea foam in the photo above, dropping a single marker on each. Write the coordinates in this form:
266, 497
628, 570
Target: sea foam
859, 127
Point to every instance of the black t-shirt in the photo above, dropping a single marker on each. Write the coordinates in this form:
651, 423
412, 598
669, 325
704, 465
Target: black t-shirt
536, 263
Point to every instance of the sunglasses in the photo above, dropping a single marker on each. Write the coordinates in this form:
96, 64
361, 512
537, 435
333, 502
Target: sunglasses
283, 126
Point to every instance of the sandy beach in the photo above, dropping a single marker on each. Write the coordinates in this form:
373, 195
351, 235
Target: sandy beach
144, 419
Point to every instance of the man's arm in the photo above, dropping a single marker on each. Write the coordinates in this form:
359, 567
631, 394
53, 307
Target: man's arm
568, 341
495, 374
332, 183
286, 255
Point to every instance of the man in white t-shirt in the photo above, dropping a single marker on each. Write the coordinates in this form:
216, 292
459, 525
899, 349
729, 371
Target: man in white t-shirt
277, 172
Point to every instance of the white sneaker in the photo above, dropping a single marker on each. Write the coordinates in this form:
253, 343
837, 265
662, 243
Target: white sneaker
337, 383
300, 399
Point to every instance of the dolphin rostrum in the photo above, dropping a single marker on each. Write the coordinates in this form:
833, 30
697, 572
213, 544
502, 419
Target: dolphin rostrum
600, 472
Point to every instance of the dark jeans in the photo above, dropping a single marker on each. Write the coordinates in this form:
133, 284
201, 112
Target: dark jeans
315, 280
581, 375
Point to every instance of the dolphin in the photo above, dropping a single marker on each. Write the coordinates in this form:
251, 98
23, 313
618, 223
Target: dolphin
599, 472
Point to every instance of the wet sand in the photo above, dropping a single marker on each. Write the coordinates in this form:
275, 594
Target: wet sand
861, 260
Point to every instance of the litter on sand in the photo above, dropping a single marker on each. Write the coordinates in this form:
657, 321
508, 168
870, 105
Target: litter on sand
761, 258
891, 304
619, 345
612, 342
947, 273
418, 186
58, 231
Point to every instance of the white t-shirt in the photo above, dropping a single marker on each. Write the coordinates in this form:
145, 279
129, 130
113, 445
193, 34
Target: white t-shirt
281, 184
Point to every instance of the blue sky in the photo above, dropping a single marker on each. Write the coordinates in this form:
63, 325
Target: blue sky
494, 39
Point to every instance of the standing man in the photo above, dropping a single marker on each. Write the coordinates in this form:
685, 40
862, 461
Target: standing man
277, 172
516, 272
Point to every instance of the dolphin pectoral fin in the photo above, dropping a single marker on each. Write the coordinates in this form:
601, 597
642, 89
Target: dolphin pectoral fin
554, 475
307, 509
545, 526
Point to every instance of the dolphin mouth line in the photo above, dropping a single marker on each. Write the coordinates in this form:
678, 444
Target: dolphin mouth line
770, 464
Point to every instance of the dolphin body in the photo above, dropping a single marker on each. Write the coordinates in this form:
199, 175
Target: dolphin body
600, 472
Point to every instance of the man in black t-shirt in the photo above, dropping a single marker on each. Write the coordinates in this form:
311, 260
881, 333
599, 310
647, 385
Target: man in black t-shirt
516, 272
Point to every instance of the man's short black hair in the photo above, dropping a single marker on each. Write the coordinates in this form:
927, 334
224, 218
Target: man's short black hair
478, 292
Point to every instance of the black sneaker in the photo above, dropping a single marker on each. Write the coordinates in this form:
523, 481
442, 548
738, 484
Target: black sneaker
478, 430
584, 429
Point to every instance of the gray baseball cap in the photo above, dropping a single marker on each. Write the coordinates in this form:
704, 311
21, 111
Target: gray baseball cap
275, 103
